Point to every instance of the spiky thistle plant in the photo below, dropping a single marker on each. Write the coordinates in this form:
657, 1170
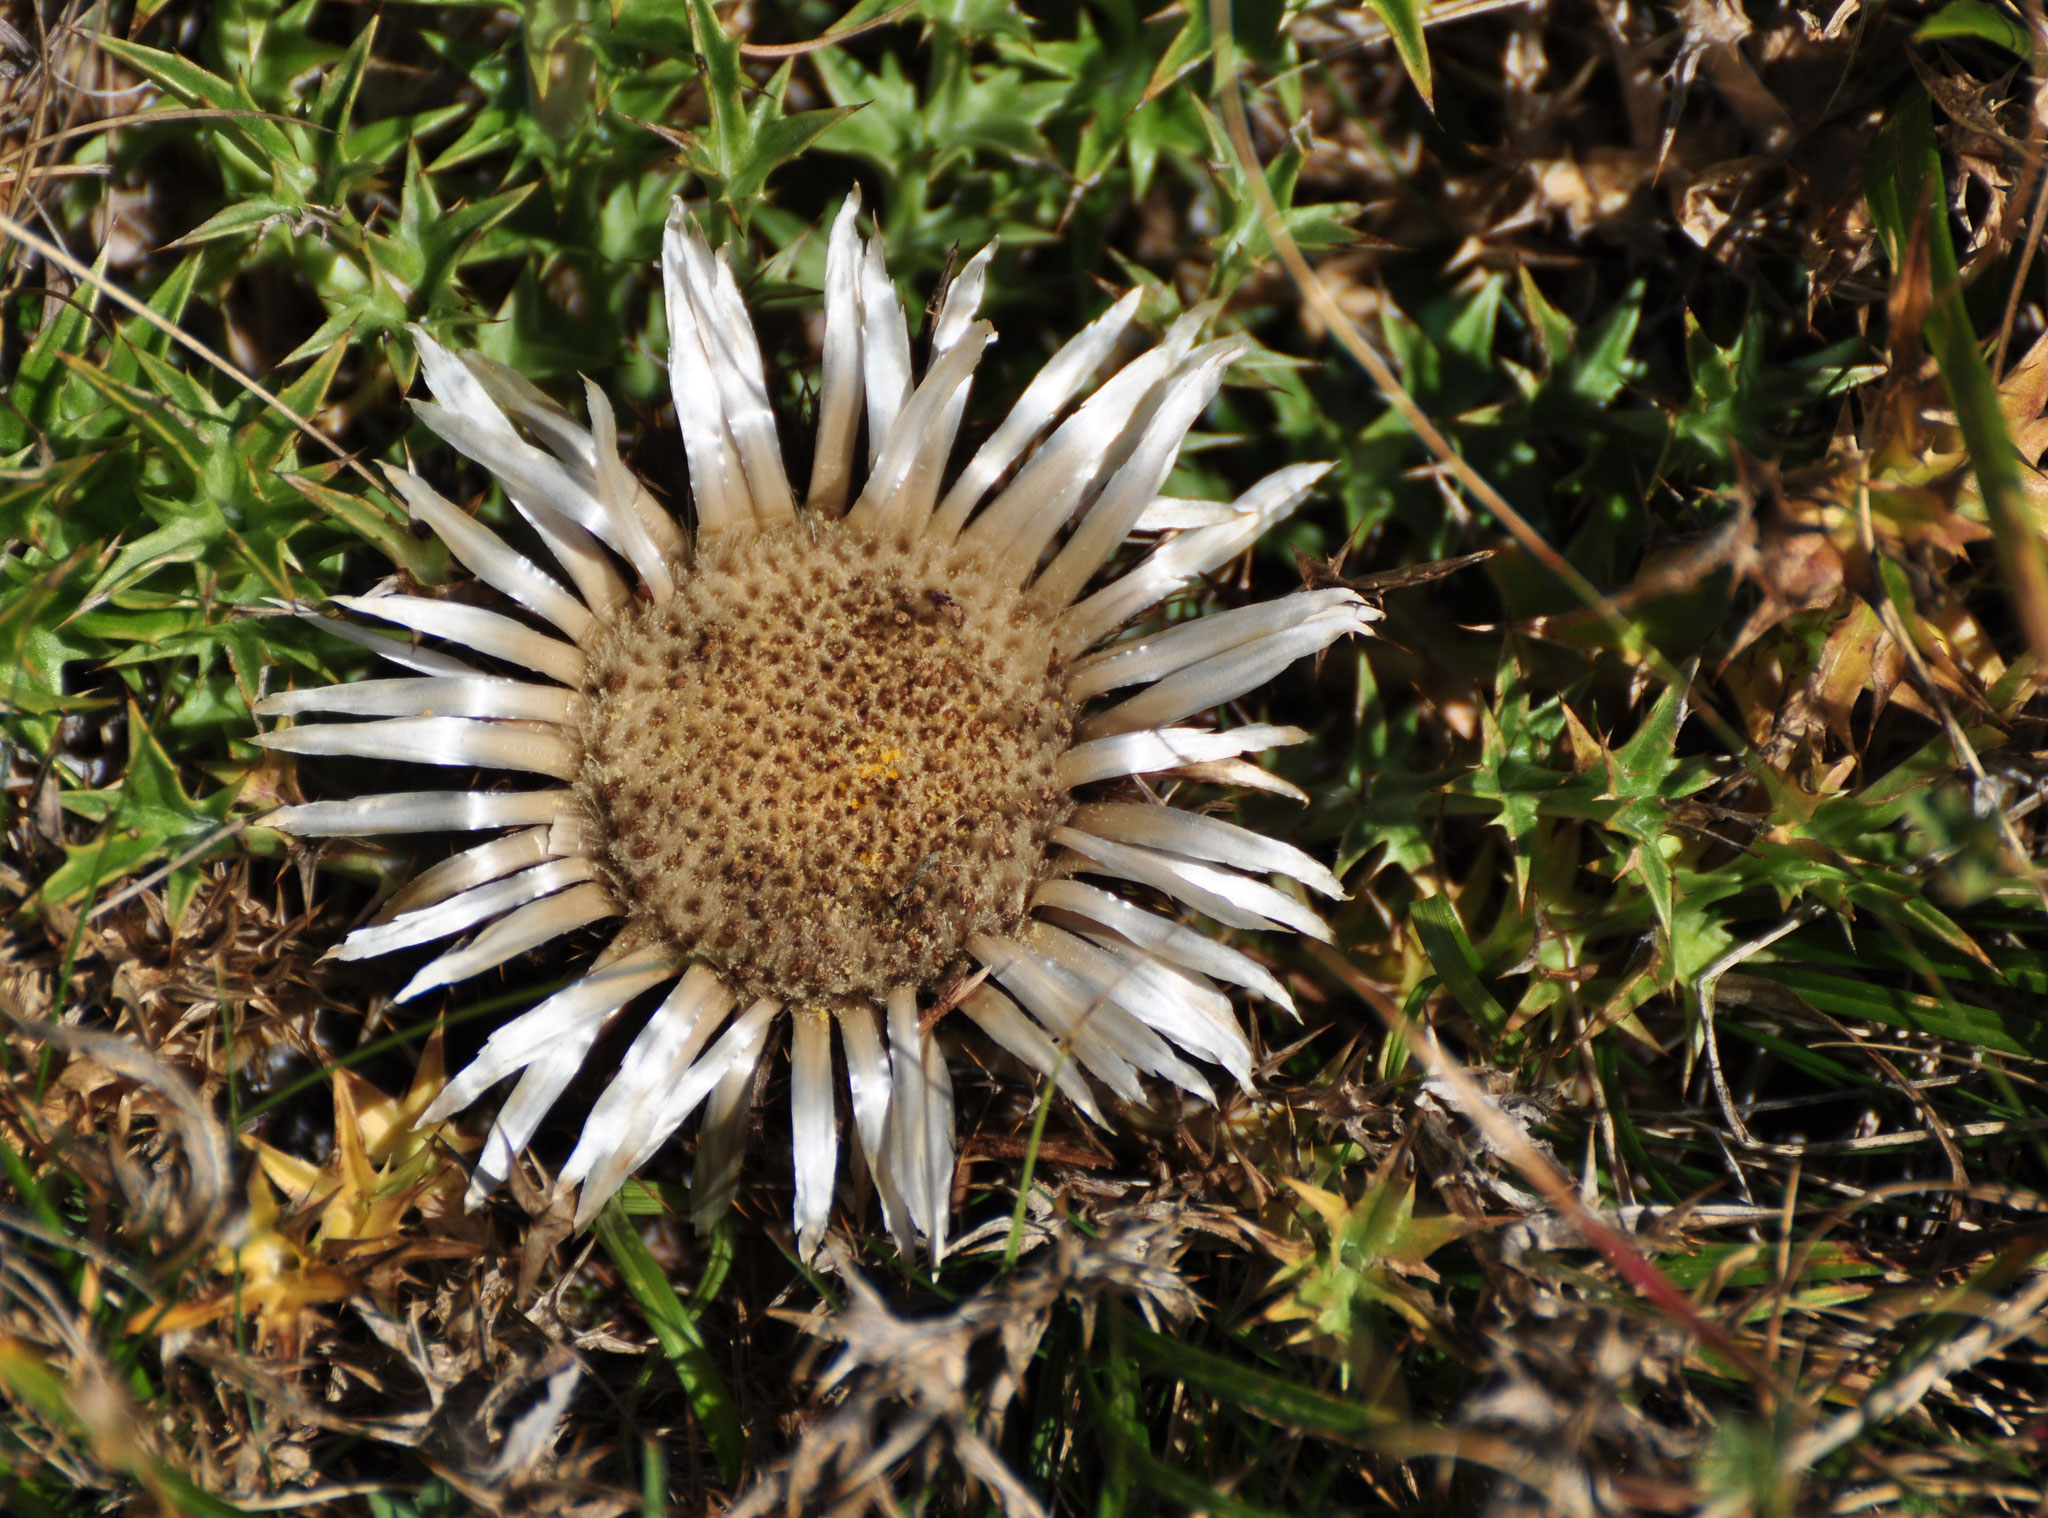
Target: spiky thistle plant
822, 760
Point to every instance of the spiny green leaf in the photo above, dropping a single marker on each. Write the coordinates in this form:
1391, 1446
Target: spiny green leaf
251, 215
33, 614
275, 150
150, 818
271, 437
169, 301
31, 398
174, 436
424, 559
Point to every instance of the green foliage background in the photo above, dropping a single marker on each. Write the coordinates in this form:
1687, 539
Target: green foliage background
1554, 854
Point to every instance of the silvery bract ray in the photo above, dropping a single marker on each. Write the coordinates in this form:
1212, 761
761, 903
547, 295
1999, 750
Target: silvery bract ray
829, 760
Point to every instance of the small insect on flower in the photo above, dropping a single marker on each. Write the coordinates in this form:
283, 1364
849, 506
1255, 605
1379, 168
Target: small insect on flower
829, 761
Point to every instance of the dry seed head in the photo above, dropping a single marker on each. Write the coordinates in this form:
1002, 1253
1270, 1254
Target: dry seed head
826, 761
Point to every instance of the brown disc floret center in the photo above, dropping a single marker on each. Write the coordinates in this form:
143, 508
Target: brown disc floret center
826, 760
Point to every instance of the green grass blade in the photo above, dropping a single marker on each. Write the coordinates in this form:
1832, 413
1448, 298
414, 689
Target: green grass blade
1274, 1398
1907, 201
676, 1327
1403, 19
1455, 961
1974, 18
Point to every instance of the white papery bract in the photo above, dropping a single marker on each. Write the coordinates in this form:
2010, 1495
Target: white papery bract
1038, 783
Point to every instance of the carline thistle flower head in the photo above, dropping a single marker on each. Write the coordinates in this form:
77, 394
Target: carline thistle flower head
832, 761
